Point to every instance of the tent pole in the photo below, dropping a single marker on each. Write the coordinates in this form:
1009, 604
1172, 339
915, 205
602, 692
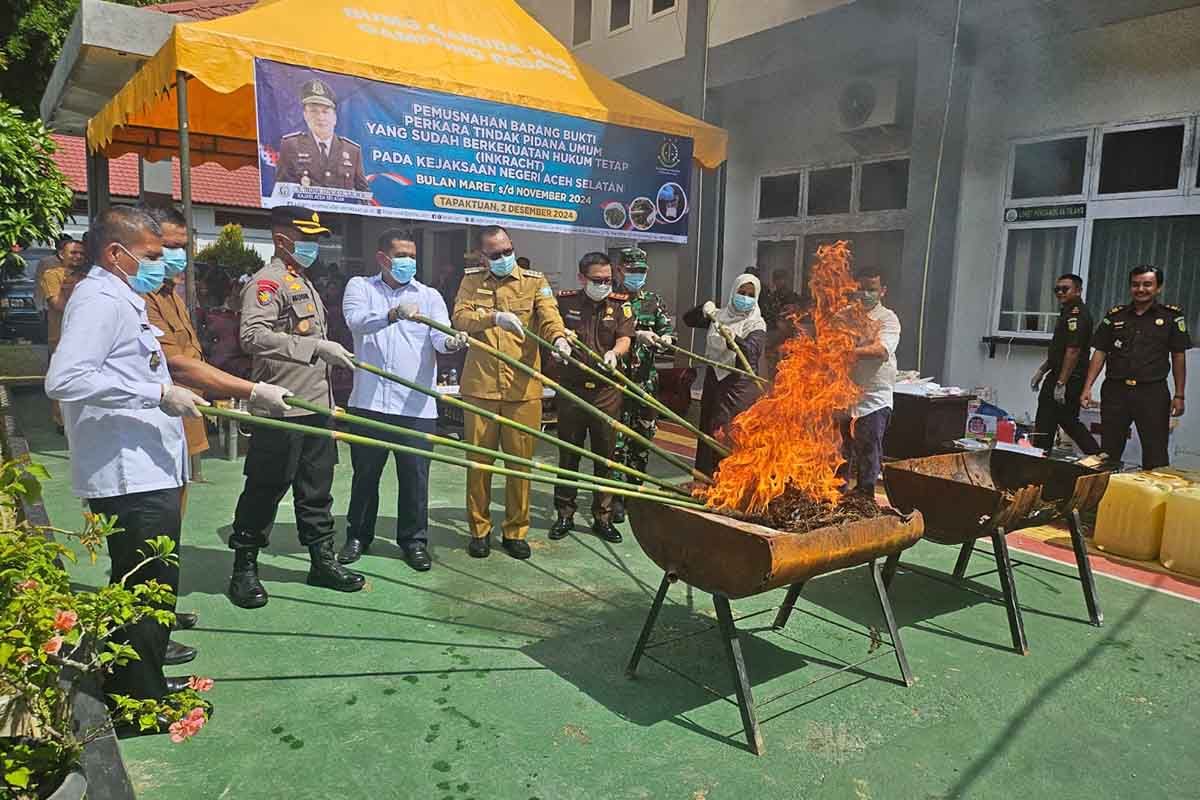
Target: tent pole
185, 194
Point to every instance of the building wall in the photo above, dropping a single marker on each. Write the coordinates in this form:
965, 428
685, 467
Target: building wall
734, 20
1123, 72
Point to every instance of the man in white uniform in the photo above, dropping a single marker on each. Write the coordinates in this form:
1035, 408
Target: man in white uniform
875, 371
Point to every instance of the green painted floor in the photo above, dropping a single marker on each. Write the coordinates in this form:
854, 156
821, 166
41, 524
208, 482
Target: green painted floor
500, 679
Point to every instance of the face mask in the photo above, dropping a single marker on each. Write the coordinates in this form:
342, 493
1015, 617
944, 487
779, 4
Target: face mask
149, 276
742, 303
869, 298
305, 253
502, 266
597, 291
404, 268
175, 259
635, 281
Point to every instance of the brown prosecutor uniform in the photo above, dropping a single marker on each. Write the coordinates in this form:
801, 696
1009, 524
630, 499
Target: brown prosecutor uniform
496, 386
168, 312
302, 160
55, 278
598, 326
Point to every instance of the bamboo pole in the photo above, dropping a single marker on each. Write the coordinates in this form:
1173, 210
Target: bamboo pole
737, 350
562, 391
717, 364
351, 438
471, 408
633, 390
432, 438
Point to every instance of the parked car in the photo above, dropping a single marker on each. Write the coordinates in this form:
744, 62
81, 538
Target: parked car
19, 315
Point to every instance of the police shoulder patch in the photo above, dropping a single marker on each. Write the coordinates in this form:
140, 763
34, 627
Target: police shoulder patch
1072, 324
546, 291
628, 309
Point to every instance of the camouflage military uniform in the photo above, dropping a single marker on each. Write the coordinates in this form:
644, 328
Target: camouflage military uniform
650, 313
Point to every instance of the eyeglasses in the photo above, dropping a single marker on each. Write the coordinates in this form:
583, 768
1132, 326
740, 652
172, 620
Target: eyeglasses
601, 281
1061, 289
499, 254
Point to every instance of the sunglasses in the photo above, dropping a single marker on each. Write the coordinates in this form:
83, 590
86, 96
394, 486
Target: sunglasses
1061, 289
500, 254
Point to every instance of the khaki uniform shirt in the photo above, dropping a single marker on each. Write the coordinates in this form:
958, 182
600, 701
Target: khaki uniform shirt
283, 318
528, 295
168, 312
51, 282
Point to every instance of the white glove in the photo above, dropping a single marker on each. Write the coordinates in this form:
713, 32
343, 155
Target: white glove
610, 360
1036, 382
266, 400
406, 311
456, 342
666, 340
725, 332
510, 322
648, 338
177, 401
334, 354
562, 349
1060, 393
709, 309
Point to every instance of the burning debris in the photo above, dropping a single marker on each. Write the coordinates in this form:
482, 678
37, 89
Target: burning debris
787, 446
795, 512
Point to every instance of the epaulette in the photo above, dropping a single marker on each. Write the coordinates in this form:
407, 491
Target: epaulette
1075, 309
1174, 308
293, 135
1115, 309
351, 141
472, 270
568, 293
533, 273
622, 296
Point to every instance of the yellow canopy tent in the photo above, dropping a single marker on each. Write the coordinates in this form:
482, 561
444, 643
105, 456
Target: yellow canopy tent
487, 49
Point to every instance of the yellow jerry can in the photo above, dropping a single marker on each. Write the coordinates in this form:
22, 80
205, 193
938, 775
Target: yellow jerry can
1129, 521
1181, 532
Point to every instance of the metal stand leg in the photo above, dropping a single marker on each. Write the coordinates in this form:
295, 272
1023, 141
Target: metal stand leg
885, 603
741, 680
964, 558
651, 618
1085, 569
789, 602
889, 569
1015, 624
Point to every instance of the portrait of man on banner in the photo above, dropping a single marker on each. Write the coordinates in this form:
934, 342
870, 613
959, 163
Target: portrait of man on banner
318, 156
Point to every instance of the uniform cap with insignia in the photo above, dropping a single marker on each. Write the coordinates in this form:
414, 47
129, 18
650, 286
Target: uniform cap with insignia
318, 92
302, 219
633, 255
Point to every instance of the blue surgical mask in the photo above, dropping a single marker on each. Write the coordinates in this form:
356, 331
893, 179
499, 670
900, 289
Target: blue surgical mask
743, 303
176, 260
634, 281
305, 253
502, 266
404, 268
149, 276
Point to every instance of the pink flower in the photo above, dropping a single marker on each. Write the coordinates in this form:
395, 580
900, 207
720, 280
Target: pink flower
200, 684
27, 585
64, 621
24, 658
179, 732
188, 727
52, 646
197, 717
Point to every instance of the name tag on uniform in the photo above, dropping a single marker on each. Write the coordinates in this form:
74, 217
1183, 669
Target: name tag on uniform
482, 290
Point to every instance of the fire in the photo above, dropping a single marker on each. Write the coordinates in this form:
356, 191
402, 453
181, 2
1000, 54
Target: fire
791, 436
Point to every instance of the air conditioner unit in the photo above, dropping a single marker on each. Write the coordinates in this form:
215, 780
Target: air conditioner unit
867, 103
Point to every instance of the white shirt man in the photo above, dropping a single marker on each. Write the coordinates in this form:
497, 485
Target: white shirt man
875, 371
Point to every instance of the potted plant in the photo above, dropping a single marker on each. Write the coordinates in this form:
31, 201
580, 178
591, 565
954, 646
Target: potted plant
52, 636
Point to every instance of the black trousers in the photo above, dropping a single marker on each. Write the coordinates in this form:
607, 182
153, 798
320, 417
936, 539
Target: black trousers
142, 516
574, 426
278, 461
412, 478
1051, 416
1147, 405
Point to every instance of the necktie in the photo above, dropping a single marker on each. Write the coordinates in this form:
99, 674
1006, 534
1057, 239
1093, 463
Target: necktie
324, 150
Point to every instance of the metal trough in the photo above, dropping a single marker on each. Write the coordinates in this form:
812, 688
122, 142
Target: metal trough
729, 558
991, 493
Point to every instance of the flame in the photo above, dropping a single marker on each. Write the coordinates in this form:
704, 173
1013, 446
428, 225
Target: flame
791, 435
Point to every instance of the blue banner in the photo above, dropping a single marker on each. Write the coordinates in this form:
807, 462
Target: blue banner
357, 146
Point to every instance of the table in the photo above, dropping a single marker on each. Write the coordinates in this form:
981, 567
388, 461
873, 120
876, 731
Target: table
925, 426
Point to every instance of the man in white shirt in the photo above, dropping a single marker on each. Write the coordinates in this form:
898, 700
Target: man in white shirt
379, 311
121, 412
875, 371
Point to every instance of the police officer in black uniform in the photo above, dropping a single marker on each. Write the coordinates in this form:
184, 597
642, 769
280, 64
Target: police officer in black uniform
1061, 375
1141, 342
604, 322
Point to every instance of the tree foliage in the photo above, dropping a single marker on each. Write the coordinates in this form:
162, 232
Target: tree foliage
230, 251
34, 195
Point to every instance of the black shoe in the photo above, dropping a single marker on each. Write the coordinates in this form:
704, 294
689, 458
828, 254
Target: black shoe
618, 511
352, 550
178, 654
185, 620
177, 684
480, 546
245, 589
605, 530
327, 572
417, 556
517, 548
561, 527
61, 430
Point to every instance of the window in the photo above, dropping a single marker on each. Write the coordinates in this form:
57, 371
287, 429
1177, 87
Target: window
1141, 160
661, 7
581, 29
619, 15
1049, 169
779, 196
773, 255
884, 186
829, 191
1170, 243
881, 249
1033, 258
